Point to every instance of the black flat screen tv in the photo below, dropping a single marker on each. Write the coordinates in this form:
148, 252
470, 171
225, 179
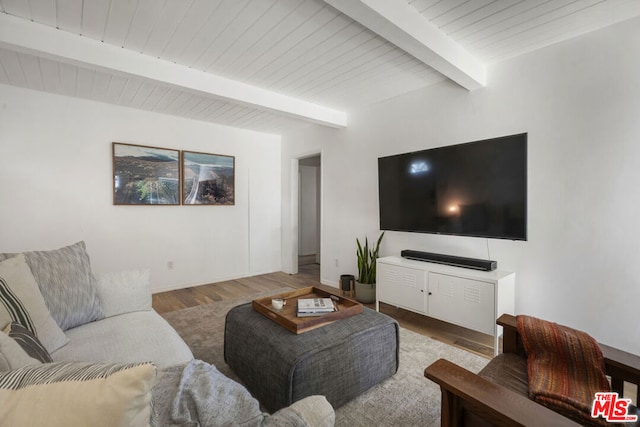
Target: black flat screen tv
476, 189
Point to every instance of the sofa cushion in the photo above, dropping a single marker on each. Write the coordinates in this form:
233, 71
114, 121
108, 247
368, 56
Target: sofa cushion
22, 302
12, 356
124, 291
67, 285
29, 342
74, 394
127, 338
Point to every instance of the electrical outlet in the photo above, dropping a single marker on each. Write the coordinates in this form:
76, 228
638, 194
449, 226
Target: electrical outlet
337, 263
169, 265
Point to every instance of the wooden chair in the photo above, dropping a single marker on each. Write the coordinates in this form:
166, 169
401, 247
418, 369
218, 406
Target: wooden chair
469, 399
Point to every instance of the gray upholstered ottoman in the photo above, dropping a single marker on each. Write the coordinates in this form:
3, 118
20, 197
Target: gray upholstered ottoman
339, 360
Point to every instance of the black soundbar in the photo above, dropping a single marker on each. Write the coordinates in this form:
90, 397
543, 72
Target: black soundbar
456, 261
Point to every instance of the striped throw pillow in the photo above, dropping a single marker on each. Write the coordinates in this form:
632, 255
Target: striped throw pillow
76, 393
22, 302
29, 342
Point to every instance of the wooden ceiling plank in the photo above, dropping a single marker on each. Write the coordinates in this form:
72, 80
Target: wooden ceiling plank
324, 53
12, 68
299, 40
385, 69
509, 18
352, 69
297, 35
68, 79
402, 25
333, 63
246, 116
167, 23
84, 82
267, 32
31, 68
143, 94
272, 13
94, 18
129, 91
422, 5
115, 90
178, 102
223, 50
460, 13
69, 15
154, 98
530, 21
121, 15
4, 77
17, 8
166, 100
198, 111
101, 82
43, 11
50, 71
30, 37
477, 19
442, 8
574, 20
197, 29
143, 22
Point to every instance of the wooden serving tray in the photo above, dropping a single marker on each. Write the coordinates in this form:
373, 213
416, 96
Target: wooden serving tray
287, 316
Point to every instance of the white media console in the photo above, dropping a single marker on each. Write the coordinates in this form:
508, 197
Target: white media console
465, 297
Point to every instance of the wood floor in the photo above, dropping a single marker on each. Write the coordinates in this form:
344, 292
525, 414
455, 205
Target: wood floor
309, 275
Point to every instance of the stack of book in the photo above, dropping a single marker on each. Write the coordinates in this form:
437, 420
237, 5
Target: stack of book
308, 307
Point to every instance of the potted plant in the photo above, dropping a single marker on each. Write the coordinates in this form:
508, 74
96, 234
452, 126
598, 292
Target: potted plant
366, 282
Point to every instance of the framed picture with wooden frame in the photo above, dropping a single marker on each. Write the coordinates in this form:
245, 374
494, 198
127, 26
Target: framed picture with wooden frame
145, 175
208, 179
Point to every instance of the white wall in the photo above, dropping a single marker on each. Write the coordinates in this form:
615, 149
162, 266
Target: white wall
56, 175
579, 101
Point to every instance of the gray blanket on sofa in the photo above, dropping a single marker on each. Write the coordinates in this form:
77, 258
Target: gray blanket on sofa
197, 394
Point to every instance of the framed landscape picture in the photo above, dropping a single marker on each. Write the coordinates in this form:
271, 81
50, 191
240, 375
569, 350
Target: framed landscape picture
207, 179
145, 175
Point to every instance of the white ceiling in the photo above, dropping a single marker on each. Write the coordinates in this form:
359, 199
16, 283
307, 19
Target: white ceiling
271, 65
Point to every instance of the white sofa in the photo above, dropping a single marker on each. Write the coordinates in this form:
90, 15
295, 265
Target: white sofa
131, 331
109, 320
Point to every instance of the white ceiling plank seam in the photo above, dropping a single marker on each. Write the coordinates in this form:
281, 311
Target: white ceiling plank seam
33, 38
401, 24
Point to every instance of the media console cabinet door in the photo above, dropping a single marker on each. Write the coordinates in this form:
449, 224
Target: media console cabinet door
464, 302
401, 286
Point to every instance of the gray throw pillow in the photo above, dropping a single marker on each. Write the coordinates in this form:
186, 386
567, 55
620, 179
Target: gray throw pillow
66, 283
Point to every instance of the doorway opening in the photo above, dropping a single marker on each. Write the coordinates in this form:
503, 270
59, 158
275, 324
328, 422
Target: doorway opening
309, 215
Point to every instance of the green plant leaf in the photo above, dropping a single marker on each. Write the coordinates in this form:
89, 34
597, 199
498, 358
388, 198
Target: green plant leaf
367, 260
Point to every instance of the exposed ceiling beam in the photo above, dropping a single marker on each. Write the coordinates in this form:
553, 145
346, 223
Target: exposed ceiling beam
29, 37
401, 24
